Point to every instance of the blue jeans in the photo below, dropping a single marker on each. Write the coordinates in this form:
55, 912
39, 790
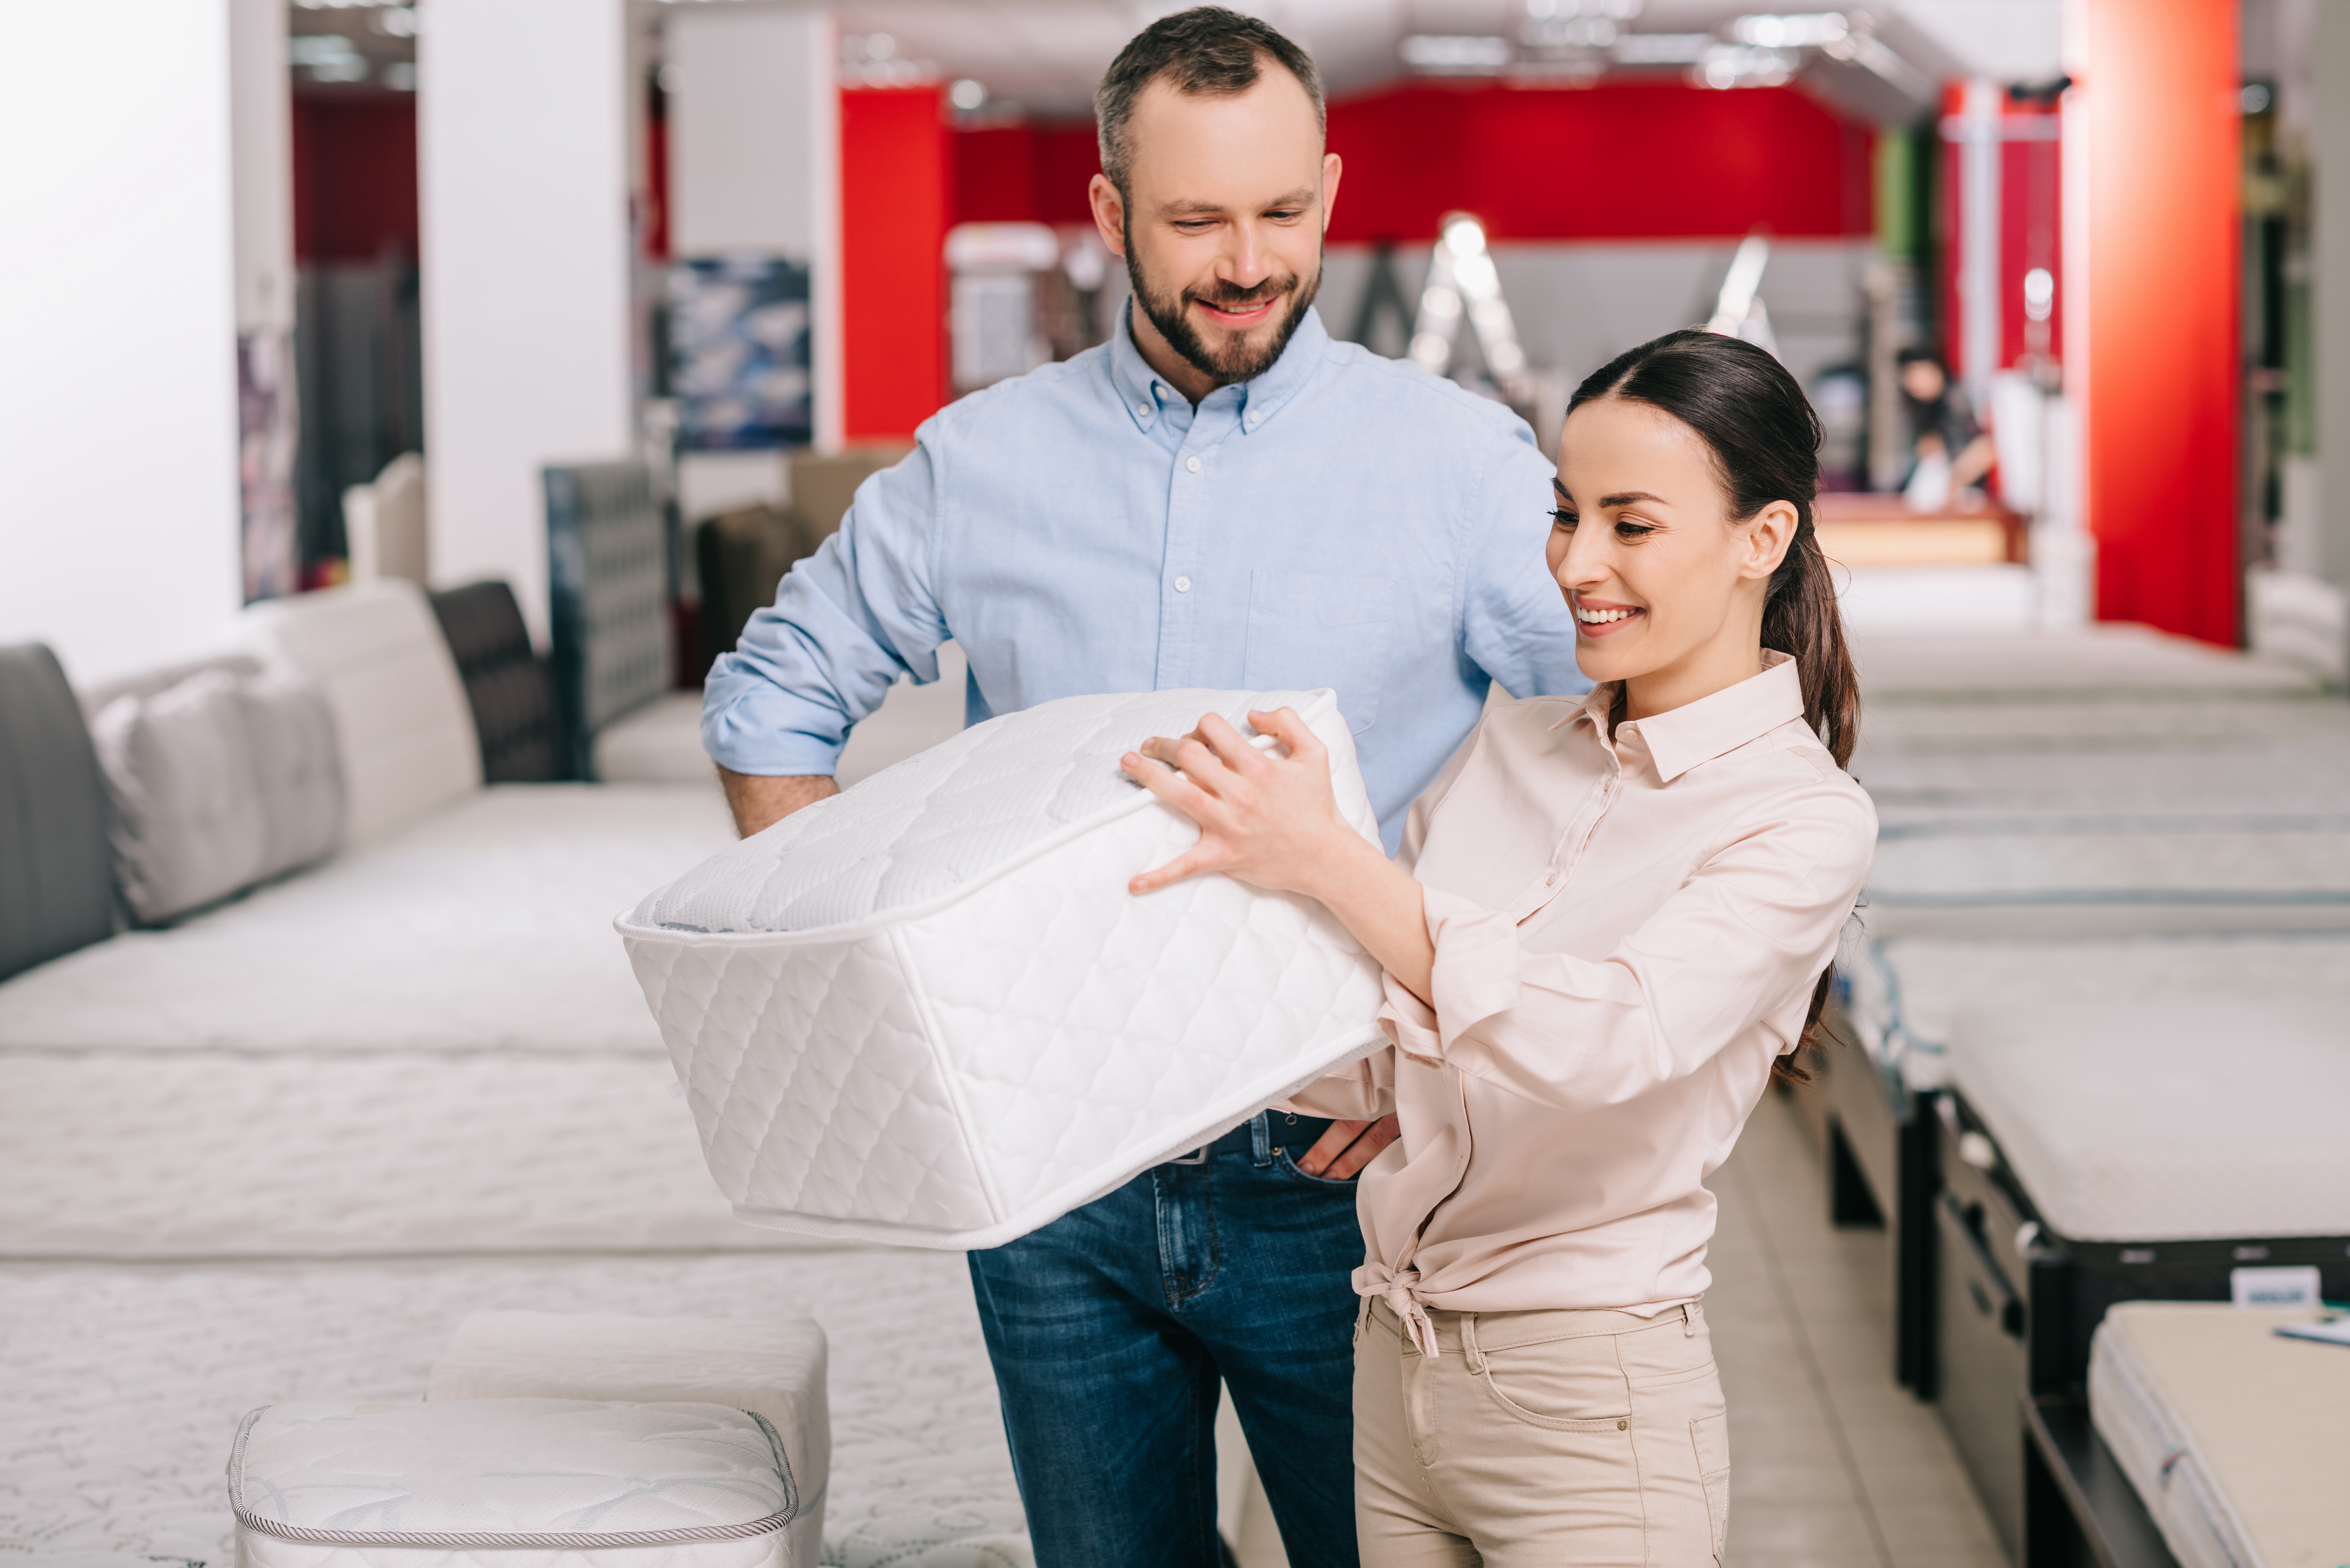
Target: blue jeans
1110, 1328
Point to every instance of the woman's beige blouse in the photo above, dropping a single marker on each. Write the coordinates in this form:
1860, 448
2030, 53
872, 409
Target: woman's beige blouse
1627, 936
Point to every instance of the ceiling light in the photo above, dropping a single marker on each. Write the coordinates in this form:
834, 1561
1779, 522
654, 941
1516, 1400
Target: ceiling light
1455, 53
1727, 65
1783, 32
967, 94
1662, 48
396, 21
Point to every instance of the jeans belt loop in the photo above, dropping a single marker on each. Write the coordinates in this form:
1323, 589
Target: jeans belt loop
1197, 1157
1261, 1139
1469, 1346
1688, 1320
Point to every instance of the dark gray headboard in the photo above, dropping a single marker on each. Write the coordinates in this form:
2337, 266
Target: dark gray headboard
57, 876
607, 597
507, 684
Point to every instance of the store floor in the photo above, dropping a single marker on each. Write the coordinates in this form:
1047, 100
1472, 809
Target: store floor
1833, 1465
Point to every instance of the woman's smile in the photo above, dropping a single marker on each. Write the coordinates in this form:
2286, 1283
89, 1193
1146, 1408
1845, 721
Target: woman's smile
1603, 617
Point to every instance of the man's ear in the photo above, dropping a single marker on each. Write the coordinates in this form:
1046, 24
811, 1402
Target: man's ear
1768, 540
1109, 213
1331, 170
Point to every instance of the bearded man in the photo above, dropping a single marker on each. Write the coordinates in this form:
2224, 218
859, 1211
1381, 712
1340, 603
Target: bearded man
1219, 496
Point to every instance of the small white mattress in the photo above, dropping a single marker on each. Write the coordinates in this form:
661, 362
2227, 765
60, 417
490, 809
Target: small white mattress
1907, 994
2086, 724
1981, 881
487, 925
2305, 784
929, 1011
2102, 660
2232, 1434
125, 1384
474, 1480
2181, 1118
200, 1154
774, 1368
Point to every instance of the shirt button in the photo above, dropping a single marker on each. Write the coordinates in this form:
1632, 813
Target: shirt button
1182, 584
1143, 410
1192, 464
1550, 877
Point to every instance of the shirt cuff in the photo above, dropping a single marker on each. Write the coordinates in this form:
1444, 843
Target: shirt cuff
1411, 1024
763, 750
1476, 973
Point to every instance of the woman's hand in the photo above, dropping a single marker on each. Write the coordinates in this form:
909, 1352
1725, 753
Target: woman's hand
1268, 820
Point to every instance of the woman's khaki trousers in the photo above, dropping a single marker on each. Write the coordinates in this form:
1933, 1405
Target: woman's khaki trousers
1551, 1438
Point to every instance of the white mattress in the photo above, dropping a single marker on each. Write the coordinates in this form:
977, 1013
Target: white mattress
2233, 1435
202, 1153
1906, 992
2089, 724
1981, 880
486, 926
2305, 784
2098, 661
2178, 1119
928, 1009
125, 1384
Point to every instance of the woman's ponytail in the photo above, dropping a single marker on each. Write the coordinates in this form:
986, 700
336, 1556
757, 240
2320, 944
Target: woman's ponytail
1765, 440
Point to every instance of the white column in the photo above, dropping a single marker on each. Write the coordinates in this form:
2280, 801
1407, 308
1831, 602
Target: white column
523, 177
755, 156
117, 377
2329, 288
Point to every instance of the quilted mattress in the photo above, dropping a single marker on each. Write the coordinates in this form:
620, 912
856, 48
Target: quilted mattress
1988, 880
928, 1011
2232, 1434
2165, 1120
2107, 661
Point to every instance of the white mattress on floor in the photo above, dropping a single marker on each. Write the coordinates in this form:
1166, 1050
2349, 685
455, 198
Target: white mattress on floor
485, 926
2233, 1435
2022, 730
2305, 784
203, 1154
2098, 661
1984, 880
125, 1383
2178, 1118
1906, 992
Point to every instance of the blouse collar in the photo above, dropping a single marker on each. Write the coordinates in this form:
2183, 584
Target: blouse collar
1708, 728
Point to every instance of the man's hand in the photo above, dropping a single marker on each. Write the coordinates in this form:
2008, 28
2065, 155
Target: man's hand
1344, 1147
761, 803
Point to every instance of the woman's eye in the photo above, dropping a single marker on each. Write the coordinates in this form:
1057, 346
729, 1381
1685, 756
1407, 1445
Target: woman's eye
1627, 529
1562, 519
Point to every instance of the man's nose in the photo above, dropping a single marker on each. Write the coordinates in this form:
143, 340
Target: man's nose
1245, 262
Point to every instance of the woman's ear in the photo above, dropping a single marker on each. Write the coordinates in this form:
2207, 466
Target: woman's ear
1768, 541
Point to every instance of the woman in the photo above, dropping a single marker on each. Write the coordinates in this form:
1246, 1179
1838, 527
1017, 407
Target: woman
1610, 925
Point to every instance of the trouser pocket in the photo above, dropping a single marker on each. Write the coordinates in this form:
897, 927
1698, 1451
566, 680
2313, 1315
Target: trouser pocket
1710, 1436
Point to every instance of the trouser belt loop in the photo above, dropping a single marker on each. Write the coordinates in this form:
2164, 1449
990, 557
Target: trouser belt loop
1469, 1350
1688, 1320
1261, 1141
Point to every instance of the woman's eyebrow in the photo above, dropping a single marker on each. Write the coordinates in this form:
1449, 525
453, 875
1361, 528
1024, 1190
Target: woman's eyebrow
1626, 498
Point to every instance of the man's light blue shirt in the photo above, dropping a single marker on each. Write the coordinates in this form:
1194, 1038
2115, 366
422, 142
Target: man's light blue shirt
1342, 520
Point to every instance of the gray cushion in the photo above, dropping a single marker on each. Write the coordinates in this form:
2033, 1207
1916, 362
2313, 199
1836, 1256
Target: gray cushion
220, 782
56, 892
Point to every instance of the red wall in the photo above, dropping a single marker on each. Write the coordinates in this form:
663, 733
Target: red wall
1622, 160
1025, 174
2160, 92
354, 176
895, 173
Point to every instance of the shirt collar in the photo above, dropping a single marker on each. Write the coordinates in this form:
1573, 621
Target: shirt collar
1710, 727
1143, 392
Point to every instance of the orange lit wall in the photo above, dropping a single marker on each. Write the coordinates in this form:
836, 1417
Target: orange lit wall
2160, 94
896, 174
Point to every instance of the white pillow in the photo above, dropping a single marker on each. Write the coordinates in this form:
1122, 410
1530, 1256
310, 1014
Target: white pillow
217, 782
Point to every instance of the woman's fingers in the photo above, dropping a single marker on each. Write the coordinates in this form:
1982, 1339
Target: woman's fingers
1179, 790
1285, 726
1191, 863
1231, 747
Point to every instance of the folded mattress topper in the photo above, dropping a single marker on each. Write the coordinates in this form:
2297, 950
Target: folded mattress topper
2176, 1118
2232, 1434
927, 1011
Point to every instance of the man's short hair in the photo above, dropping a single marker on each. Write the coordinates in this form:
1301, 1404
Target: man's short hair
1206, 52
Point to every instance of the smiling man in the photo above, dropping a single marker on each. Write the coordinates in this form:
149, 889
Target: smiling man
1220, 496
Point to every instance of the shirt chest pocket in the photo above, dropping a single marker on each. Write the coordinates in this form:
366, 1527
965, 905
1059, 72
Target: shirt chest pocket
1307, 629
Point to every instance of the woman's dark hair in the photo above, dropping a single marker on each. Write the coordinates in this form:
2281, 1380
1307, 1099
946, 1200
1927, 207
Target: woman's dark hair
1765, 441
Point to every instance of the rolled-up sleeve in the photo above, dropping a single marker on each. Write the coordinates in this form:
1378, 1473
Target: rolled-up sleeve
847, 622
1741, 944
1514, 621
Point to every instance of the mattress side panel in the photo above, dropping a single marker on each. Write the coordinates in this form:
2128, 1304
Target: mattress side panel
812, 1080
1092, 1032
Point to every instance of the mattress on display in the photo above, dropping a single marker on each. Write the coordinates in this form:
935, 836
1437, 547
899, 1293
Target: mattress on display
2019, 732
2232, 1434
2166, 1118
1993, 879
473, 1481
127, 1383
209, 1153
486, 926
2102, 662
1906, 994
928, 1009
2304, 785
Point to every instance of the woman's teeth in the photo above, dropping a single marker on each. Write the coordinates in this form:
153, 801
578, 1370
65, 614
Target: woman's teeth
1601, 618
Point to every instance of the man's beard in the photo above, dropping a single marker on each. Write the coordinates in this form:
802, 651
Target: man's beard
1240, 362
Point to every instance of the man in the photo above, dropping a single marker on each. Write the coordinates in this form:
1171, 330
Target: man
1221, 496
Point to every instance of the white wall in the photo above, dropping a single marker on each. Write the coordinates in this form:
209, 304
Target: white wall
261, 114
118, 314
754, 163
522, 126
